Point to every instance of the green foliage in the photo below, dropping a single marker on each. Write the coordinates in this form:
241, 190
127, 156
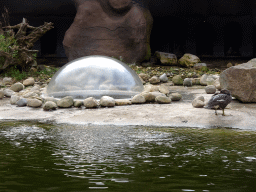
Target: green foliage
15, 73
7, 42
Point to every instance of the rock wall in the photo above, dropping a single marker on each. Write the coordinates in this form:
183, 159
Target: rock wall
110, 28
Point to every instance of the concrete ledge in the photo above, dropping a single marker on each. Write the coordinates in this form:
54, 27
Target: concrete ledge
176, 114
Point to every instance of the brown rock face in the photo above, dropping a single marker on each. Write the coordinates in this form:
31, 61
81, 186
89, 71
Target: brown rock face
241, 81
111, 28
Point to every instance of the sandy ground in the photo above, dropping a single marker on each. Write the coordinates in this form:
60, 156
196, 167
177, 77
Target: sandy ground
176, 114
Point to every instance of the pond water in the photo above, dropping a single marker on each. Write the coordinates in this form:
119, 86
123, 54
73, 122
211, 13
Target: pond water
39, 157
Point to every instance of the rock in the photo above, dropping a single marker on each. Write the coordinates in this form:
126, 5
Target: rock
107, 101
163, 100
151, 88
29, 81
138, 99
22, 102
7, 80
91, 102
163, 78
175, 96
14, 99
35, 88
164, 89
120, 102
187, 82
49, 105
154, 80
198, 102
188, 60
157, 93
196, 81
17, 87
144, 77
149, 97
229, 65
166, 58
50, 99
30, 94
203, 79
1, 94
34, 103
110, 28
8, 92
240, 80
78, 103
210, 89
65, 102
198, 66
177, 80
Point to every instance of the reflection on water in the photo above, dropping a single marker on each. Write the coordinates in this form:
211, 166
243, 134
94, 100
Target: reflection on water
37, 157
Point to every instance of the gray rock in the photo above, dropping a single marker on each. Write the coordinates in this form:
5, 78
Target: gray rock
198, 102
138, 99
198, 66
175, 96
78, 103
22, 102
164, 89
196, 81
157, 93
65, 102
49, 105
163, 100
154, 80
188, 60
34, 103
29, 81
240, 80
17, 87
149, 97
7, 80
14, 99
203, 79
210, 89
166, 58
107, 101
8, 92
187, 82
151, 88
120, 102
210, 80
177, 80
35, 88
144, 77
30, 94
50, 99
90, 102
201, 98
163, 78
1, 94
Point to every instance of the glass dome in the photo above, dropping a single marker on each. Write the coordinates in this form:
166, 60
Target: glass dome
94, 76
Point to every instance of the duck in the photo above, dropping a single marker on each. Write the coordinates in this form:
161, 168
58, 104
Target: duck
219, 100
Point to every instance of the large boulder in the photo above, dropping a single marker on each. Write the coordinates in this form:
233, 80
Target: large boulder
188, 60
166, 58
110, 28
241, 81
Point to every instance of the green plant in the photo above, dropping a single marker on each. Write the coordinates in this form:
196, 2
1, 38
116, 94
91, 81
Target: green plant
7, 43
14, 72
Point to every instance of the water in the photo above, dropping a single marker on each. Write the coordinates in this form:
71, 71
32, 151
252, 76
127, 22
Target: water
39, 157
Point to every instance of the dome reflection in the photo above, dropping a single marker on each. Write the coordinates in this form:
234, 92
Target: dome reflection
94, 76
